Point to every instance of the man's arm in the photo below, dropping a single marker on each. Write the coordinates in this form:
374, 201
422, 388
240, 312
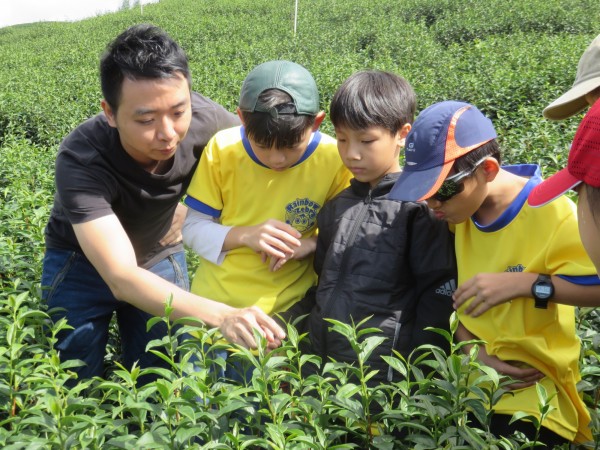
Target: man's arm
108, 248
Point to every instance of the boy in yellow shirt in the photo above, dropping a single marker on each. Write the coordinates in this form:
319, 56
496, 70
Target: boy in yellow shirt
255, 195
528, 263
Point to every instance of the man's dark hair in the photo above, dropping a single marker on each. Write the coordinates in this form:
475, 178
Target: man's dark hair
283, 131
468, 161
140, 52
373, 98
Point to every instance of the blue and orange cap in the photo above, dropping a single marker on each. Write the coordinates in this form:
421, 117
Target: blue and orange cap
442, 133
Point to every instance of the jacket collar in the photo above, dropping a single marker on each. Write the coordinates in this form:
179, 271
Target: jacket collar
383, 187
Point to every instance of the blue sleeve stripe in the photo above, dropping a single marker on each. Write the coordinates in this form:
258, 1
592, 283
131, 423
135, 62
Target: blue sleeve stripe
583, 280
201, 207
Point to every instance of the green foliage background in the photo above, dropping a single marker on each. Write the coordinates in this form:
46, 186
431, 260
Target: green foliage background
509, 57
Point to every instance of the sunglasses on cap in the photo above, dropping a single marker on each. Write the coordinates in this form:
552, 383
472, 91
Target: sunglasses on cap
454, 185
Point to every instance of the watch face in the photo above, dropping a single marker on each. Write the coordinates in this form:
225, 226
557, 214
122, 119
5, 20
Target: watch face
543, 290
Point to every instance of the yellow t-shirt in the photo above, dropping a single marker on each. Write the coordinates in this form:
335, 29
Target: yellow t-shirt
538, 240
231, 184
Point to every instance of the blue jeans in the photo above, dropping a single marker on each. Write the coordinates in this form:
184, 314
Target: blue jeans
69, 281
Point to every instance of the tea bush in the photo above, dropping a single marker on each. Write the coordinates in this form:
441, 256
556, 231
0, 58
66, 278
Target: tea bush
510, 58
278, 408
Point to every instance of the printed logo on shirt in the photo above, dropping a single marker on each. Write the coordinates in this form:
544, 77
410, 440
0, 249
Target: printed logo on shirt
302, 214
517, 268
447, 288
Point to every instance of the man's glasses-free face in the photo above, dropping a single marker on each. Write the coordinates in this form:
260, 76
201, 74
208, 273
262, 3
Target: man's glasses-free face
454, 185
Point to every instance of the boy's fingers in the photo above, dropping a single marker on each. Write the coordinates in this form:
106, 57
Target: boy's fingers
477, 307
263, 257
517, 386
286, 228
468, 290
274, 264
282, 231
274, 249
276, 234
462, 294
277, 263
285, 238
272, 252
523, 374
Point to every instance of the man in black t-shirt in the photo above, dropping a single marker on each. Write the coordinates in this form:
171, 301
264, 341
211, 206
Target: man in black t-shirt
113, 240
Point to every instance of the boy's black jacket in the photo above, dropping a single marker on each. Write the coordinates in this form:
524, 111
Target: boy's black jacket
383, 258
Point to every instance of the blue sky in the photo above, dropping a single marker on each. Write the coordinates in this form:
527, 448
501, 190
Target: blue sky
14, 12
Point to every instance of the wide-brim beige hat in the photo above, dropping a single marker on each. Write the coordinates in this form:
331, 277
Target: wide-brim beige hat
586, 80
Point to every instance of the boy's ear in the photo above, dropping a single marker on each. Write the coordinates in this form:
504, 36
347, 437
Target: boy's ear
318, 120
403, 132
490, 168
109, 113
239, 113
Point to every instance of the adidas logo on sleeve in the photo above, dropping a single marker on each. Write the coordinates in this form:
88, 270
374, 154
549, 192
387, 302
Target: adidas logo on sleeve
447, 288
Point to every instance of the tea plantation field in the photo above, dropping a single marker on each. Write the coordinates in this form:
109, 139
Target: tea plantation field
509, 57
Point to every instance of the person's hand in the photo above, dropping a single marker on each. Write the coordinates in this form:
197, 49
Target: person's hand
174, 234
307, 248
237, 326
523, 375
491, 289
273, 238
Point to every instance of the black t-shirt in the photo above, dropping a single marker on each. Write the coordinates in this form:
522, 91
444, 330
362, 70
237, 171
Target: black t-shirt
96, 177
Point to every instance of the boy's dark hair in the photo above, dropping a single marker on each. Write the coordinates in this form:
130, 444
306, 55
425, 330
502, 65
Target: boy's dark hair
469, 160
283, 130
373, 98
140, 52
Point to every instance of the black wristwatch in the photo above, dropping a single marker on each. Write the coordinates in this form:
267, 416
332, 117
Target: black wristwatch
542, 291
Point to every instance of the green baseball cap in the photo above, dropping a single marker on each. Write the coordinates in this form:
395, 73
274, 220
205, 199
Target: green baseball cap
287, 76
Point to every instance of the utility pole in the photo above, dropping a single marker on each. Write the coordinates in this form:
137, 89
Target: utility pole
295, 17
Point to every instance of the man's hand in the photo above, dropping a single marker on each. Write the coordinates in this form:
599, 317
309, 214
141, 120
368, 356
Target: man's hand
237, 326
491, 289
307, 248
174, 234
